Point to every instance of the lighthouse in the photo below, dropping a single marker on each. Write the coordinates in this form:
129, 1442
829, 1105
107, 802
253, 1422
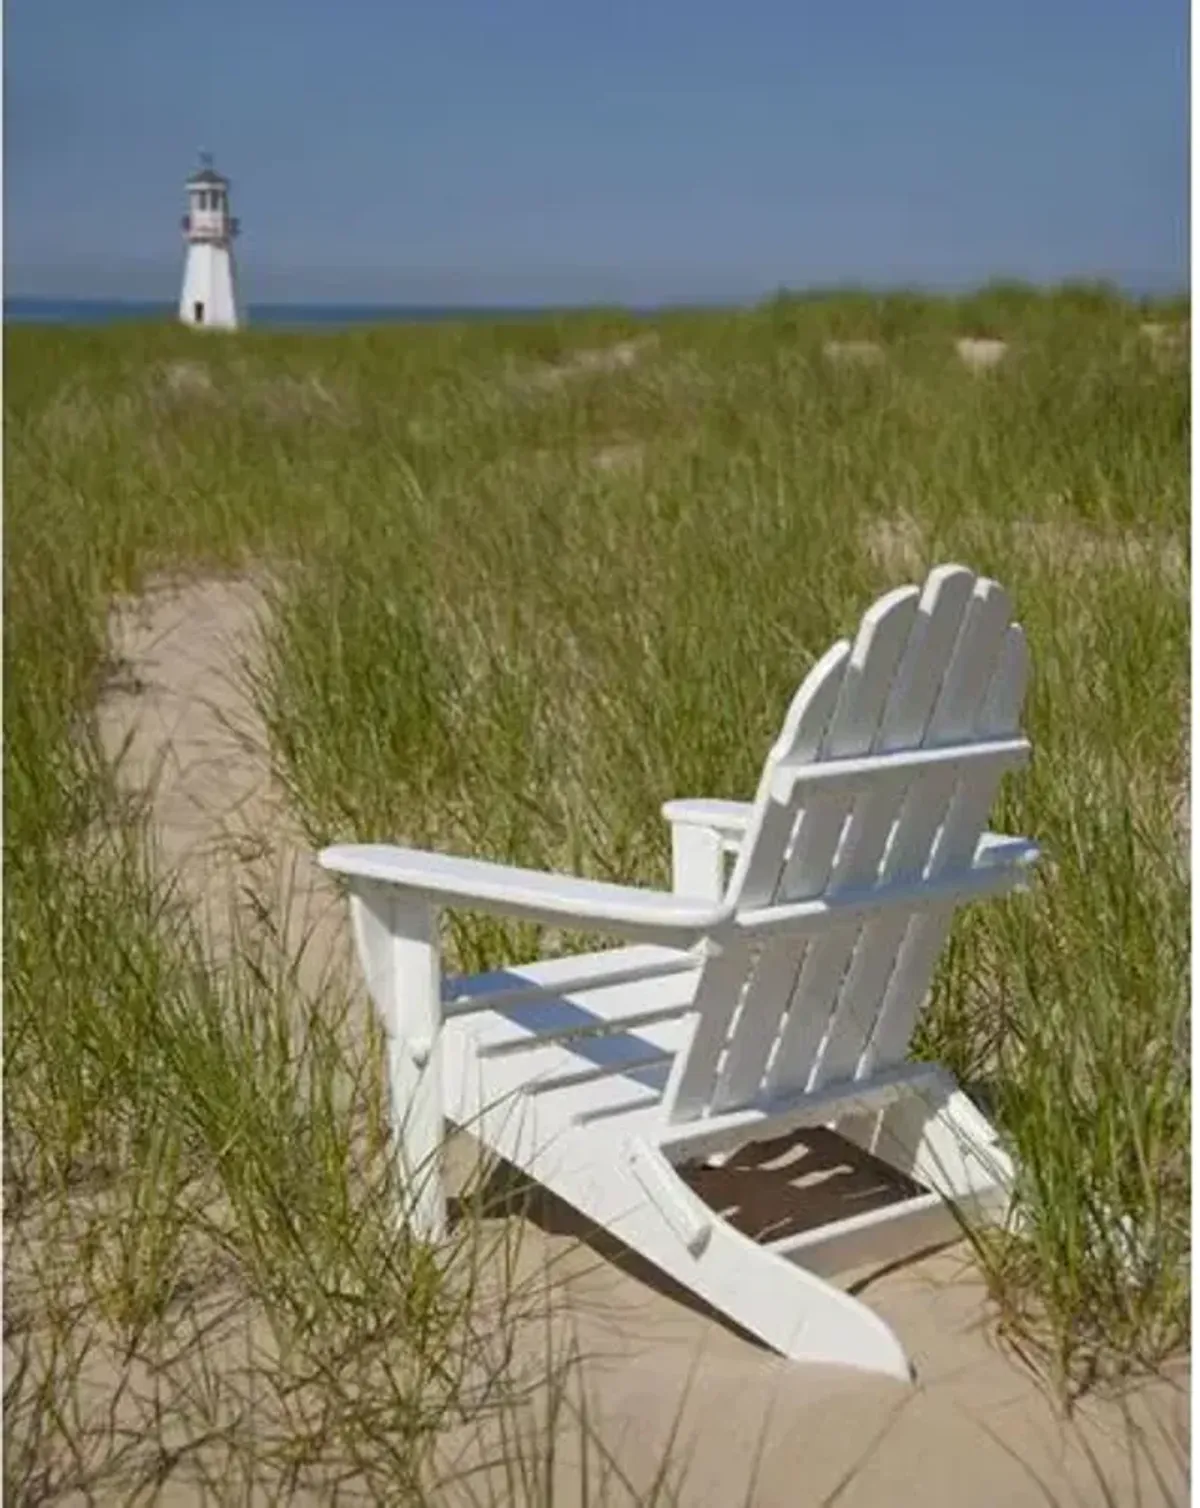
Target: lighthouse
209, 296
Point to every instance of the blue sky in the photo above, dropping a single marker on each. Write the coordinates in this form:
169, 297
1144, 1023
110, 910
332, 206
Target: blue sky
511, 151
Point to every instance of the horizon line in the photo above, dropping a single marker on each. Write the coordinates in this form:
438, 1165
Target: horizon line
813, 291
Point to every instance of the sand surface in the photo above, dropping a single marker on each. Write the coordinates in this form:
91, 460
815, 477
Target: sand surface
747, 1426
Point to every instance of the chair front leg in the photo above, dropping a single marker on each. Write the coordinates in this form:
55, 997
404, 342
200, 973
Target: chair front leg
396, 934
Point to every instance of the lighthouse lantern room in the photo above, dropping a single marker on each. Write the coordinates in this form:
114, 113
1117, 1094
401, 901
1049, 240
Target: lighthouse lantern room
209, 296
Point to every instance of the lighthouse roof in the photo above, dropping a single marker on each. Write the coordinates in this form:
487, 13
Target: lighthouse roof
205, 172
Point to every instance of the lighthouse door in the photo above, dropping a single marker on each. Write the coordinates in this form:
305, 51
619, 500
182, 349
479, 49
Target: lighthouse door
198, 312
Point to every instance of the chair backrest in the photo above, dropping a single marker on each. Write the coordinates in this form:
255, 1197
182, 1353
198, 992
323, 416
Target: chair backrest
879, 786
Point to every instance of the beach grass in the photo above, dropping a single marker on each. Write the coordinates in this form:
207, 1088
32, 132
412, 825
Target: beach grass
529, 580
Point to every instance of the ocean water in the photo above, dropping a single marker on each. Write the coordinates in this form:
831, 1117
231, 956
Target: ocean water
38, 311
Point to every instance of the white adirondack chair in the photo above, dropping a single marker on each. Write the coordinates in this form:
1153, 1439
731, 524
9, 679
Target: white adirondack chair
745, 1009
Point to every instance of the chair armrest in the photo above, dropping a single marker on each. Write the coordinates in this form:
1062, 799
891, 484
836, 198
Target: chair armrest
530, 894
1000, 848
702, 833
729, 818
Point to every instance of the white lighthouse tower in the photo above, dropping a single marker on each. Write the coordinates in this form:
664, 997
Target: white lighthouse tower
209, 296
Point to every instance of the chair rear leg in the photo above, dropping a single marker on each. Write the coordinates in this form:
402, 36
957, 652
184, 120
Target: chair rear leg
794, 1311
944, 1142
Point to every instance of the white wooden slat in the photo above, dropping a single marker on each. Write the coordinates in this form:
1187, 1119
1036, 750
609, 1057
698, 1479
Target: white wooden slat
778, 1115
922, 814
997, 715
813, 987
769, 833
1000, 707
1006, 695
635, 1100
862, 698
809, 1009
866, 687
945, 606
823, 912
756, 876
872, 965
718, 996
610, 1076
966, 817
557, 973
631, 1061
894, 770
926, 828
818, 836
939, 619
907, 988
757, 1025
643, 1059
853, 734
880, 839
505, 989
997, 710
865, 956
822, 991
874, 1237
634, 1062
572, 1028
956, 711
808, 1029
899, 953
621, 1015
882, 947
584, 1013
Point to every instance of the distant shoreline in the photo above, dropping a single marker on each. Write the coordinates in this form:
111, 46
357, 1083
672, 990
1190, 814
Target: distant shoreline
30, 311
299, 316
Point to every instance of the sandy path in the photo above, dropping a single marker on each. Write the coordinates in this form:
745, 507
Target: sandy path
976, 1430
180, 720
